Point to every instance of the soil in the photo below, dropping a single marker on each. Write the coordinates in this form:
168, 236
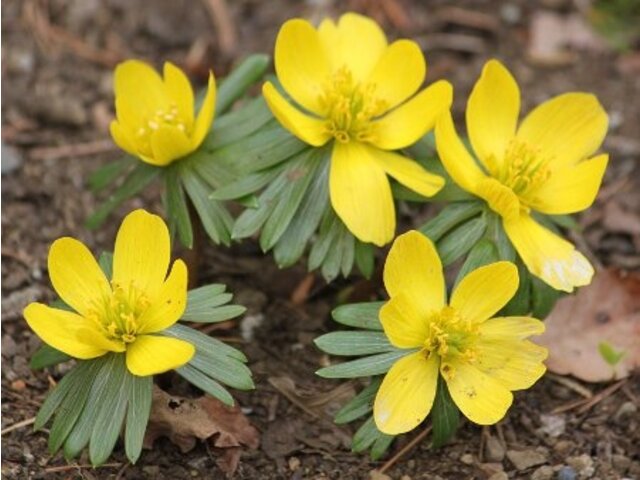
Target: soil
57, 62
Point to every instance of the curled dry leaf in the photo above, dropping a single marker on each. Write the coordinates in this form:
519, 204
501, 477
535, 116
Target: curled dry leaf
608, 310
185, 420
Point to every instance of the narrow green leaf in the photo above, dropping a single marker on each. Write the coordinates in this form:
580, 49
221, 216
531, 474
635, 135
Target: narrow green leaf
495, 232
365, 258
234, 126
333, 260
227, 370
565, 221
205, 383
610, 354
219, 314
215, 218
520, 304
381, 445
105, 260
347, 246
360, 405
483, 253
141, 176
364, 367
47, 356
449, 217
461, 239
359, 315
543, 298
176, 206
444, 415
329, 229
200, 297
365, 436
232, 87
139, 408
246, 184
204, 342
354, 343
111, 411
109, 172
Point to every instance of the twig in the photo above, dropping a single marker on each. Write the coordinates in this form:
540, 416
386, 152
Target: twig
571, 384
408, 447
223, 23
120, 473
74, 150
301, 293
64, 468
16, 426
585, 404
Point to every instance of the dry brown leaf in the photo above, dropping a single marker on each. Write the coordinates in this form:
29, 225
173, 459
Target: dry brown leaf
608, 310
185, 420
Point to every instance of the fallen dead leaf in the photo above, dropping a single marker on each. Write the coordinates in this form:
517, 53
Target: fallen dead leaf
618, 219
608, 310
186, 420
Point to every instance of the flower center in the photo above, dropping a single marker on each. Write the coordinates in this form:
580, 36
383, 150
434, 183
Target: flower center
450, 336
168, 117
118, 316
523, 168
350, 107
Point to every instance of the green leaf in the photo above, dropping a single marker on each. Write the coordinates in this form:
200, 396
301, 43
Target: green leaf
111, 411
205, 383
495, 232
381, 445
205, 305
327, 235
365, 258
248, 72
70, 408
520, 304
347, 246
141, 176
444, 415
299, 177
360, 405
449, 217
368, 436
225, 369
364, 367
176, 206
203, 342
105, 260
215, 218
46, 356
565, 221
305, 223
359, 315
354, 343
247, 184
610, 354
543, 298
460, 240
108, 173
483, 253
139, 402
236, 125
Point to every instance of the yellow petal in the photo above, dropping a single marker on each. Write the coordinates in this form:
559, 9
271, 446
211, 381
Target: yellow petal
409, 122
454, 155
170, 304
355, 42
516, 365
76, 276
301, 63
404, 321
413, 269
59, 328
480, 397
548, 256
511, 328
121, 136
492, 112
308, 129
572, 188
408, 172
95, 337
205, 115
361, 194
399, 72
138, 85
142, 253
501, 199
406, 394
151, 354
485, 290
169, 144
180, 92
568, 128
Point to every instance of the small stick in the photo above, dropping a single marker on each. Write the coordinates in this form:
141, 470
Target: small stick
611, 389
572, 384
223, 23
301, 293
417, 439
74, 150
64, 468
16, 426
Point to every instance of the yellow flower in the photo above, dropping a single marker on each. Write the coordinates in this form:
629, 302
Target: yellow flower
155, 116
541, 165
350, 87
482, 359
125, 316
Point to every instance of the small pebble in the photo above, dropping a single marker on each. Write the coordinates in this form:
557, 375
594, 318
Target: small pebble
494, 450
523, 459
467, 459
626, 411
582, 464
567, 473
544, 472
499, 476
621, 463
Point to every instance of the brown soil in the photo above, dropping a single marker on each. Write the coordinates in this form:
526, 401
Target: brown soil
58, 93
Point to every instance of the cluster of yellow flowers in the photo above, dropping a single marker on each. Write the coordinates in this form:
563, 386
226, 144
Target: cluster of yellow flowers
343, 84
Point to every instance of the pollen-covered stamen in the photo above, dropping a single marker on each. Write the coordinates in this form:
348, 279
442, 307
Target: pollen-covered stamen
450, 336
349, 107
169, 117
118, 317
523, 168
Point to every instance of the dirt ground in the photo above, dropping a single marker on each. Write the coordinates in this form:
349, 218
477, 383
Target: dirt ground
56, 106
